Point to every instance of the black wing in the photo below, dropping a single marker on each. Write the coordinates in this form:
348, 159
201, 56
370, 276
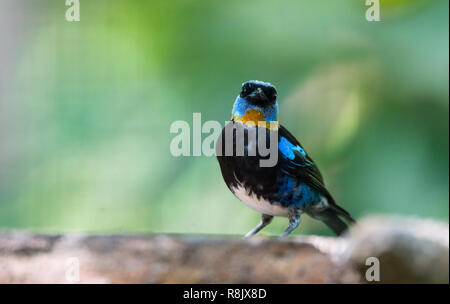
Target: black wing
301, 167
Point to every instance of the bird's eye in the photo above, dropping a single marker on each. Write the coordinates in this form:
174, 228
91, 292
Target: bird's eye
246, 89
272, 94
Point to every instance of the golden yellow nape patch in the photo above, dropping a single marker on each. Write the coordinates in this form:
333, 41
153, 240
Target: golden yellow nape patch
252, 117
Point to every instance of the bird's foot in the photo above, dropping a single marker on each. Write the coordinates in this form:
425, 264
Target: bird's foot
294, 221
265, 220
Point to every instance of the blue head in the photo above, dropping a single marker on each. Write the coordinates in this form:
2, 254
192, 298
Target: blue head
256, 102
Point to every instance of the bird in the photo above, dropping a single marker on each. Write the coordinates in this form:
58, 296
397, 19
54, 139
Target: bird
289, 188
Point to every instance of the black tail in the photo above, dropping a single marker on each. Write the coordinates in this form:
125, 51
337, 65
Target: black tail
330, 217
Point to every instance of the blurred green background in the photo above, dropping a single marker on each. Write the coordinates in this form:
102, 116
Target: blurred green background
85, 108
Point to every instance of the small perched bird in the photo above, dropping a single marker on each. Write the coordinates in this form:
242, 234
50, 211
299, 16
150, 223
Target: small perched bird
290, 187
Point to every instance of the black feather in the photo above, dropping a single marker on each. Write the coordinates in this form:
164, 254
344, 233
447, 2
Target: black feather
245, 170
332, 220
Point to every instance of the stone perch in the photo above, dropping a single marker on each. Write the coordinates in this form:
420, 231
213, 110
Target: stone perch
409, 250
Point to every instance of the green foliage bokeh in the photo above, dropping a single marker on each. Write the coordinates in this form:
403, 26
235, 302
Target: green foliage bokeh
86, 109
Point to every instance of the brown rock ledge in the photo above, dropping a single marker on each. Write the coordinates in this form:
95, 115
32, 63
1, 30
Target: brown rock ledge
409, 250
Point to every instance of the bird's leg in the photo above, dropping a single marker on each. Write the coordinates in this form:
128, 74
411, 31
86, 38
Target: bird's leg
265, 220
294, 221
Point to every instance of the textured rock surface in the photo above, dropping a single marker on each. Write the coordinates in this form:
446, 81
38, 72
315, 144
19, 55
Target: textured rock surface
409, 250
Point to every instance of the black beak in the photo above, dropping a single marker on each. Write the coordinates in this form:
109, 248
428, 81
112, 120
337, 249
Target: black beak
258, 94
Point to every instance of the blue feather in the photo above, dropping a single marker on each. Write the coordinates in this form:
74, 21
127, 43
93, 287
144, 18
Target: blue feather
292, 193
241, 106
287, 149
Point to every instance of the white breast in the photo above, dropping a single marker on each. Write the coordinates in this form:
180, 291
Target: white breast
260, 205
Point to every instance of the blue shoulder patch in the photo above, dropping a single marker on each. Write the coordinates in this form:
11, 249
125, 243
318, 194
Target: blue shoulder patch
287, 149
